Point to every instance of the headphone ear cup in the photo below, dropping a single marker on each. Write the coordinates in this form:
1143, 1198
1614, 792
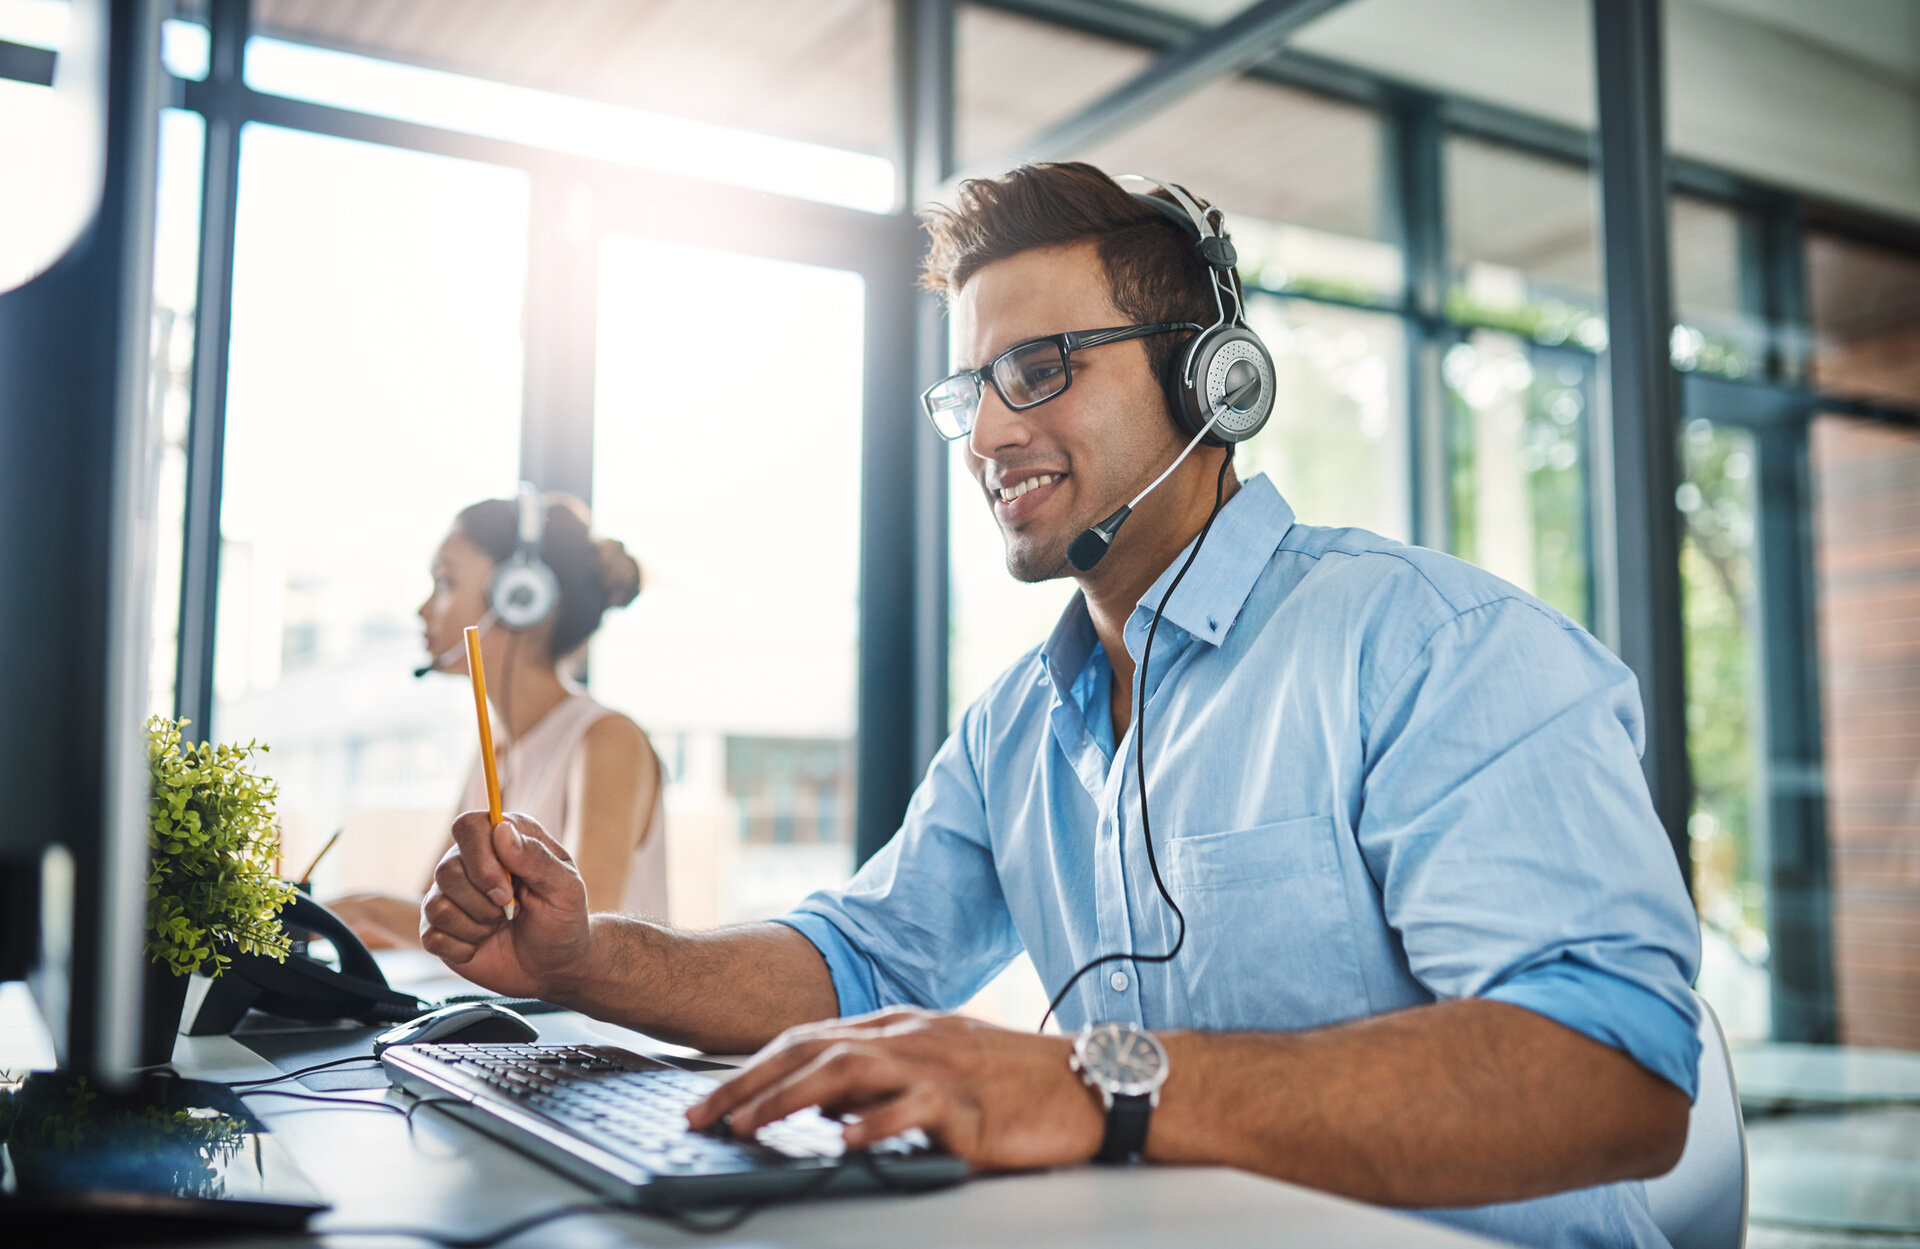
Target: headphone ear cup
1228, 370
1184, 399
523, 592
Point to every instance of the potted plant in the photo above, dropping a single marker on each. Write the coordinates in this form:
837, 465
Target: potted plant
213, 885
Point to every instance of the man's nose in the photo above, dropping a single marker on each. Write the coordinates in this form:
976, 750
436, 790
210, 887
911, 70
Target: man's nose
996, 427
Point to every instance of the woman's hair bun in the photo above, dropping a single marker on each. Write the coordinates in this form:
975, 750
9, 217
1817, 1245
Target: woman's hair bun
619, 572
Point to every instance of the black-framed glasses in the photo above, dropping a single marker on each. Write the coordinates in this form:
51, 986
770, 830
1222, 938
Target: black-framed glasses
1025, 375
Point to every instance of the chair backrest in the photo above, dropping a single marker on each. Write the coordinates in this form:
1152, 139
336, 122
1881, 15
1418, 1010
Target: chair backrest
1702, 1202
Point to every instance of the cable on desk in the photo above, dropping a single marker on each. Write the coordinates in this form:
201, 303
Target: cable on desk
431, 1101
316, 1097
675, 1218
295, 1075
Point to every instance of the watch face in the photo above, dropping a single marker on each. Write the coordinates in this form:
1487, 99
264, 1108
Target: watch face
1124, 1059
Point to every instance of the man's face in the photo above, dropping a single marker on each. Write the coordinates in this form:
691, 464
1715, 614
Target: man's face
1100, 441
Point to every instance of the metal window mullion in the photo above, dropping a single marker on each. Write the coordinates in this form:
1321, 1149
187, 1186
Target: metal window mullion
212, 333
902, 678
927, 66
1414, 207
1205, 56
1793, 802
1640, 564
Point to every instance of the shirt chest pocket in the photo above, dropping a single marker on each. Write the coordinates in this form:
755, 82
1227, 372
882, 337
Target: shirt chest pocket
1269, 941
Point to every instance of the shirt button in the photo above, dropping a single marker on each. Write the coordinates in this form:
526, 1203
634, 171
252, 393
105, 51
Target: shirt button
1119, 981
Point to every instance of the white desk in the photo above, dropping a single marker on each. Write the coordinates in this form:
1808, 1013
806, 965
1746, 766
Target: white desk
453, 1178
447, 1176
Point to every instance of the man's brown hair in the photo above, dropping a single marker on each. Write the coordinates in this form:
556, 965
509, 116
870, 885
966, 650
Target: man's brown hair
1152, 268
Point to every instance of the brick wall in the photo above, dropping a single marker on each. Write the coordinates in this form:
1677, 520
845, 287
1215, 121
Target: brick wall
1867, 557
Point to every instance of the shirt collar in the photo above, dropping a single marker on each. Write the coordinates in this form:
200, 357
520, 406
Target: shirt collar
1238, 547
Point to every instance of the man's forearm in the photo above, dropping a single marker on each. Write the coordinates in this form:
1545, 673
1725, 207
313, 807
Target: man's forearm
1455, 1104
726, 992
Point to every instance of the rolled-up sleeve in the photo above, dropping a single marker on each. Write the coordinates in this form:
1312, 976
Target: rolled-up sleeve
924, 923
1518, 853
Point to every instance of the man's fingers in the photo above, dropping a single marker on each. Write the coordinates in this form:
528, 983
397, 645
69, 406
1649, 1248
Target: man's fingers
775, 1063
921, 1106
474, 840
447, 949
523, 848
452, 881
842, 1073
442, 915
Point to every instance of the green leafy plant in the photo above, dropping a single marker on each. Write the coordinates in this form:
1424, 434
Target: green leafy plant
214, 886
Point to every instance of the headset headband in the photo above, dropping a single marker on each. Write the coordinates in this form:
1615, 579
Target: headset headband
533, 519
1209, 228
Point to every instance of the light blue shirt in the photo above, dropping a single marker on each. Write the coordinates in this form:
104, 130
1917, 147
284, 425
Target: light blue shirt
1377, 777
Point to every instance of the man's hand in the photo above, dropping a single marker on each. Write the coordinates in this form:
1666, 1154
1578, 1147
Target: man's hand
464, 920
999, 1099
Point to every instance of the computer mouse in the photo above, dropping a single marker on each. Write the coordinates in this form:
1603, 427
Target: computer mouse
462, 1023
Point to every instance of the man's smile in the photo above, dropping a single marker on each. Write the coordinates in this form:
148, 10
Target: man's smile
1016, 499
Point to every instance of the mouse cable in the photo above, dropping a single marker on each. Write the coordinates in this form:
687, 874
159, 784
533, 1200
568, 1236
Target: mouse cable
1140, 762
682, 1220
316, 1097
422, 1102
295, 1075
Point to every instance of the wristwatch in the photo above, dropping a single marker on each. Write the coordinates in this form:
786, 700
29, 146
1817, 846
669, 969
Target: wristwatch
1126, 1066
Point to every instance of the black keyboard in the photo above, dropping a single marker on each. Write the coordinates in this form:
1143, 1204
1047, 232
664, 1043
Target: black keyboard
616, 1121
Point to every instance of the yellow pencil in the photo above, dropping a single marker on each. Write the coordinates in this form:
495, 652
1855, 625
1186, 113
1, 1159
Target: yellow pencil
487, 764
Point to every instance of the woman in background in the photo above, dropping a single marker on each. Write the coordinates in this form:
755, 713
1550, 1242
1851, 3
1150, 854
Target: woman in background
581, 769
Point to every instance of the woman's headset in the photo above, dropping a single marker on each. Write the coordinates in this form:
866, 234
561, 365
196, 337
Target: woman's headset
524, 590
1225, 373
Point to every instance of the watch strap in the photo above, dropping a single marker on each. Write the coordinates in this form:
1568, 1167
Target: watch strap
1126, 1137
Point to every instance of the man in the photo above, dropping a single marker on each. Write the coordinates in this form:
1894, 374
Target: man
1436, 949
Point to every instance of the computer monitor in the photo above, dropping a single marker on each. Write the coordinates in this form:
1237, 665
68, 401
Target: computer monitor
76, 556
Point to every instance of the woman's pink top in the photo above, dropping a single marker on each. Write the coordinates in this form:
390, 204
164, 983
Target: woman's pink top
538, 777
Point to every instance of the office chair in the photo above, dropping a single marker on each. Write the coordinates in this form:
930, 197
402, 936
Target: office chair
1702, 1202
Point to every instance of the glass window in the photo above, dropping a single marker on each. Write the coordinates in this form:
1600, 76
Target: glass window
1523, 240
374, 390
37, 225
1305, 217
739, 657
1517, 465
1866, 527
1718, 329
1336, 445
176, 258
1717, 504
1866, 319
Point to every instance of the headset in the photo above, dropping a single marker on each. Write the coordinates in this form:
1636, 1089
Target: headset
1222, 383
1220, 386
523, 590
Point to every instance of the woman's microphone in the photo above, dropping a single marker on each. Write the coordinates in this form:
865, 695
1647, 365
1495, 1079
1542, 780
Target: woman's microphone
460, 648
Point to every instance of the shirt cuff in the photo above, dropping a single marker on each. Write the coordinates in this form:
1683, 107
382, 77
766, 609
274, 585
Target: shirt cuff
1645, 1026
852, 971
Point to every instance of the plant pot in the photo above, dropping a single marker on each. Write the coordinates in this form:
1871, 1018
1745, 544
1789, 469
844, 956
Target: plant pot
163, 997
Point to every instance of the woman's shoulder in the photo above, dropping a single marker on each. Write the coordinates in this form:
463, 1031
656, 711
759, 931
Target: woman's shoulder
614, 739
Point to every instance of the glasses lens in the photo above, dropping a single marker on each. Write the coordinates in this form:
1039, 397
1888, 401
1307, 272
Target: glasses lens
1031, 374
951, 404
